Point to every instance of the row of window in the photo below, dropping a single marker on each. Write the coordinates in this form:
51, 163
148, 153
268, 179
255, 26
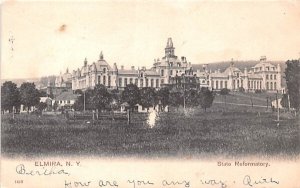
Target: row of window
61, 102
271, 76
123, 82
271, 86
215, 84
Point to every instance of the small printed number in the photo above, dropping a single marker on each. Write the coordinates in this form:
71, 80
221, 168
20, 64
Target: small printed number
18, 181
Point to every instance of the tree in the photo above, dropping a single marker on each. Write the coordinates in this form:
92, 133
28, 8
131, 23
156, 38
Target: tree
148, 97
10, 96
43, 94
292, 77
163, 96
30, 96
116, 99
83, 99
226, 91
41, 106
176, 99
192, 98
101, 98
131, 95
206, 98
284, 101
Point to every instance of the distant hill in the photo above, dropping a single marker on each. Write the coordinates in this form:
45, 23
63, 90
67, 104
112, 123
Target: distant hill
19, 81
39, 82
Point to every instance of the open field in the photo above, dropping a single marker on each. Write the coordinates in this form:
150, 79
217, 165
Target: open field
191, 134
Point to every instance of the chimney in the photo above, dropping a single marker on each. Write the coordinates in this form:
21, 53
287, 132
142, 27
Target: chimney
122, 67
132, 68
182, 58
263, 58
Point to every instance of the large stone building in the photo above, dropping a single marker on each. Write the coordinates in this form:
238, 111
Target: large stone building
263, 76
100, 72
170, 70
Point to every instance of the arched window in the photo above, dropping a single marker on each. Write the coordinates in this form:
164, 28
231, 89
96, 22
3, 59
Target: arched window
275, 86
267, 85
136, 81
162, 72
221, 84
152, 83
217, 84
104, 70
141, 83
157, 83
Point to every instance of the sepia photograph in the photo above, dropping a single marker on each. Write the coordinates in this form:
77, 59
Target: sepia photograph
154, 81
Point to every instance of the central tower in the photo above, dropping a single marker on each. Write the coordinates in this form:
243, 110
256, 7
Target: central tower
169, 50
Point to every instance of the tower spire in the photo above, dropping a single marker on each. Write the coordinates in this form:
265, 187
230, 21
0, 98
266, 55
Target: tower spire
169, 50
101, 56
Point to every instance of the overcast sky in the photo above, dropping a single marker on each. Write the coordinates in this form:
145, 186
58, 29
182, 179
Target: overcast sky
49, 37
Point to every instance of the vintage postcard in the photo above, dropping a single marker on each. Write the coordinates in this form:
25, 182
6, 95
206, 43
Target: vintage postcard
150, 94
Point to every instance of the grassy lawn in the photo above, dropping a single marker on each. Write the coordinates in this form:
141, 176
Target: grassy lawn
195, 133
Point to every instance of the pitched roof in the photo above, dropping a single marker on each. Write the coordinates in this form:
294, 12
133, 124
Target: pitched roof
67, 96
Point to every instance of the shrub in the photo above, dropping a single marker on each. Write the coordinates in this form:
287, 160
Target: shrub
224, 91
241, 89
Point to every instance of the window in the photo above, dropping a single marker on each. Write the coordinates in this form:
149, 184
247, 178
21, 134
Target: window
178, 64
171, 72
207, 82
233, 84
217, 84
162, 73
68, 101
99, 77
157, 83
104, 80
120, 82
147, 84
271, 77
130, 80
125, 82
221, 84
274, 76
142, 74
267, 85
271, 85
212, 84
225, 84
104, 70
267, 76
275, 86
152, 83
162, 81
109, 81
136, 81
141, 83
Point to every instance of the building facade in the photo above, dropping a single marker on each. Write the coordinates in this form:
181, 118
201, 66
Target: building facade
170, 70
263, 76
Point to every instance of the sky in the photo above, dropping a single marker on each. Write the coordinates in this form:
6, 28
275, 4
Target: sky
50, 37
